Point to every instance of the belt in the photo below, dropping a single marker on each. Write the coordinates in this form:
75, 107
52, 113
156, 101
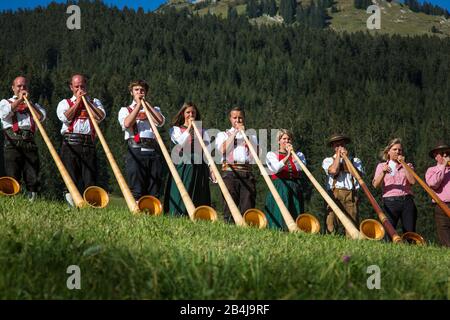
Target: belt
77, 138
236, 167
397, 198
344, 189
146, 143
22, 134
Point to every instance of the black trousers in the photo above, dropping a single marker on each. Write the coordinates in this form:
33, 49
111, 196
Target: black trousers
403, 209
22, 161
242, 187
144, 172
81, 162
442, 225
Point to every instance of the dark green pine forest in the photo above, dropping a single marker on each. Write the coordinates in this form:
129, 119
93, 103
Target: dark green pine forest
314, 82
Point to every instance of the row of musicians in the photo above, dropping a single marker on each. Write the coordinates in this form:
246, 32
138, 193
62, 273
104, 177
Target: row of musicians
144, 163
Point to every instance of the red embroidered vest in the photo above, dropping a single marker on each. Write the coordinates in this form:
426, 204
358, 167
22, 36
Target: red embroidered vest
289, 171
81, 113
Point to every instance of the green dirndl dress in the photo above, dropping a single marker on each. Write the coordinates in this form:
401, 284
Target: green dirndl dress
290, 191
195, 179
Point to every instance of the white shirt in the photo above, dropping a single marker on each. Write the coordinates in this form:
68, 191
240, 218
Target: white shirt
344, 180
241, 154
23, 119
183, 143
81, 126
181, 138
274, 165
143, 126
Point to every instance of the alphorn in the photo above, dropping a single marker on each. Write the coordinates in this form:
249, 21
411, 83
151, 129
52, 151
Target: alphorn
427, 189
348, 225
290, 223
9, 186
71, 187
381, 216
231, 204
131, 203
238, 219
201, 212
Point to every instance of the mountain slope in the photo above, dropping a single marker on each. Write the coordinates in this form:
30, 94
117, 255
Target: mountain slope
396, 18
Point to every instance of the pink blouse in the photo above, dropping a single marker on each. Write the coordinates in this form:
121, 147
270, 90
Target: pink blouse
438, 178
394, 184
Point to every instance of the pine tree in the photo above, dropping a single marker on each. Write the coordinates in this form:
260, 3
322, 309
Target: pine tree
232, 13
362, 4
300, 14
414, 5
269, 7
287, 10
272, 8
265, 7
252, 9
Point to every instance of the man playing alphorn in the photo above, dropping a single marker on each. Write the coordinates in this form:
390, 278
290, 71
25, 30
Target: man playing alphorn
144, 164
20, 151
78, 147
236, 159
438, 178
341, 185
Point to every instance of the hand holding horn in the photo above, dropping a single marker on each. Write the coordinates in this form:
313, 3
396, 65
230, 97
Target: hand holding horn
202, 212
426, 187
77, 198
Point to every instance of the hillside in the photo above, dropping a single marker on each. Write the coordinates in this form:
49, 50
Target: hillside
122, 256
396, 18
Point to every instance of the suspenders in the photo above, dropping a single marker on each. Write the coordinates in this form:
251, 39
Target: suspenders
22, 110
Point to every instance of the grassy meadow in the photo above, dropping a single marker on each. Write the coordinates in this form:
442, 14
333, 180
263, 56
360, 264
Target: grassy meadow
122, 256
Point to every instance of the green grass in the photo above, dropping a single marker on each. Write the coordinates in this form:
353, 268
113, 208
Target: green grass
395, 19
122, 256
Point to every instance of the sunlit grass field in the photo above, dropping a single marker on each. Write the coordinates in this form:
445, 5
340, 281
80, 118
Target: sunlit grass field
122, 256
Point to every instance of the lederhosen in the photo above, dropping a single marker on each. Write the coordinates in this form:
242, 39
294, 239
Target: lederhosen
20, 151
347, 201
240, 182
78, 151
144, 167
442, 222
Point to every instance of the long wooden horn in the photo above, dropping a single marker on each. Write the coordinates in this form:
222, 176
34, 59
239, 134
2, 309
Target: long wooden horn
306, 221
381, 216
202, 212
346, 222
290, 223
131, 203
9, 186
226, 194
427, 189
73, 190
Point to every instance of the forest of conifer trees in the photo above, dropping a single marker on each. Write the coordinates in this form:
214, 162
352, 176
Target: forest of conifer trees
314, 82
